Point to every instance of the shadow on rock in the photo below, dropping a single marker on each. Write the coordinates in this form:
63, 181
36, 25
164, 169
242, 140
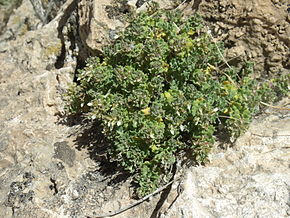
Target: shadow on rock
91, 138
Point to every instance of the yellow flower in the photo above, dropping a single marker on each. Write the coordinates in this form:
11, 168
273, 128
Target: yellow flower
190, 32
153, 148
168, 96
226, 82
146, 111
160, 35
188, 44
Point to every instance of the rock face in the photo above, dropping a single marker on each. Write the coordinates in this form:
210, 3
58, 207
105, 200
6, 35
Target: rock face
95, 26
253, 30
6, 9
32, 160
56, 167
252, 179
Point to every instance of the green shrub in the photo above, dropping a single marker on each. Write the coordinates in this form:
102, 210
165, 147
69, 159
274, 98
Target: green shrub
161, 95
5, 4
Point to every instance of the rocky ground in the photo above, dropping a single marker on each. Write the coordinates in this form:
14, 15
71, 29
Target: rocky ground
53, 166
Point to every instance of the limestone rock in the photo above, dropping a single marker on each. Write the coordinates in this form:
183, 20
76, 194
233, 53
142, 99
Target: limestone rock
95, 24
100, 21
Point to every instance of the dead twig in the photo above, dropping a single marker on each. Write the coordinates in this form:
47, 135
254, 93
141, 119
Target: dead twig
221, 55
181, 4
179, 192
136, 203
268, 136
65, 11
276, 107
218, 49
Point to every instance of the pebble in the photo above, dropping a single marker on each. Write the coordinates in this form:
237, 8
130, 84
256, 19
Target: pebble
288, 212
275, 58
75, 195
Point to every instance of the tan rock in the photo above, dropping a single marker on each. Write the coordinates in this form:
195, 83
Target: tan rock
95, 25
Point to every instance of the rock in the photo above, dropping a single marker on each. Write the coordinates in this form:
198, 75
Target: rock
3, 142
275, 58
6, 9
75, 195
19, 24
263, 25
95, 24
99, 20
64, 153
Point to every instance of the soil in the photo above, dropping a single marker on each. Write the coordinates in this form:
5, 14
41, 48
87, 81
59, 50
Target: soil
253, 30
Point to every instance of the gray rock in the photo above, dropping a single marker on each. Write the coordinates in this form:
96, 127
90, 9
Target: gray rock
3, 142
64, 153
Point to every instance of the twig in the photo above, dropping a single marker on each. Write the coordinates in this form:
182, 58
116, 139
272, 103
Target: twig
182, 3
65, 11
268, 136
221, 55
219, 51
233, 58
179, 192
229, 117
276, 107
276, 150
137, 202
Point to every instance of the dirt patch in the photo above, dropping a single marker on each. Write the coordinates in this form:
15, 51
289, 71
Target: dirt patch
252, 30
